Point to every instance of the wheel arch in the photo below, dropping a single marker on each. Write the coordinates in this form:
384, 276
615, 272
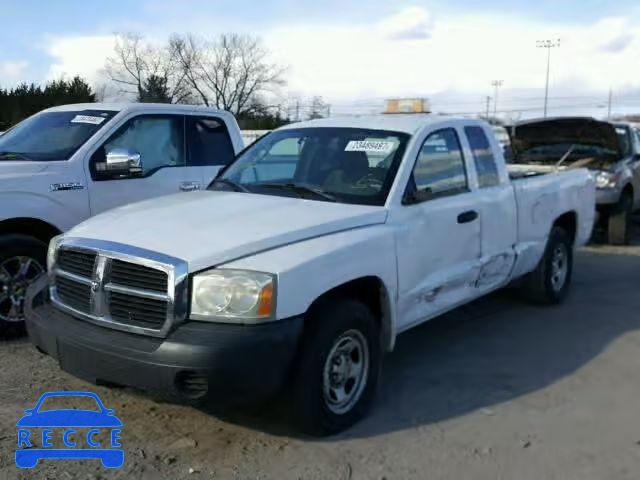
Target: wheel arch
372, 291
33, 227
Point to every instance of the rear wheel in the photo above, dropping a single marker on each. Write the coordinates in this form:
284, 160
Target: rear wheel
337, 369
619, 227
22, 261
549, 282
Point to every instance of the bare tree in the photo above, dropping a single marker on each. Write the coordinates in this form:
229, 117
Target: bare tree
231, 72
135, 62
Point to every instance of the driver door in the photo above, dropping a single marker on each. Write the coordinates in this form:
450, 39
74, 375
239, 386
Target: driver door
159, 139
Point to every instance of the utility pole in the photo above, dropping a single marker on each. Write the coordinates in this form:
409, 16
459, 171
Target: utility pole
328, 110
297, 110
488, 105
496, 85
610, 102
548, 44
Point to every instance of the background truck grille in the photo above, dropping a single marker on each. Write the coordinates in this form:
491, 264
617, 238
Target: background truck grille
77, 262
113, 292
133, 275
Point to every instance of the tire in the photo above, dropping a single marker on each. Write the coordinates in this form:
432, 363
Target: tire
18, 252
549, 283
335, 325
619, 226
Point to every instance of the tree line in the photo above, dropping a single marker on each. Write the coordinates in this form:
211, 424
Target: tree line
25, 99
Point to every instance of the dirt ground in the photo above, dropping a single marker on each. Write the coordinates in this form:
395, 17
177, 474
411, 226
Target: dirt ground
496, 390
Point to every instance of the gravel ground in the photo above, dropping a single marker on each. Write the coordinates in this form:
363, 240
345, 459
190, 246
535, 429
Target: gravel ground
495, 390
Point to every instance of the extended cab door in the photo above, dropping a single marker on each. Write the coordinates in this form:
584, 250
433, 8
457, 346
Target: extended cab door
160, 141
209, 148
438, 246
497, 208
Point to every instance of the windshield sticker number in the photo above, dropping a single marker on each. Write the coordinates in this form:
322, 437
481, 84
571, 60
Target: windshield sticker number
369, 146
87, 119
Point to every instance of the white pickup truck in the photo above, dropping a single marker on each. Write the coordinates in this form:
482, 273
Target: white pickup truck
65, 164
303, 261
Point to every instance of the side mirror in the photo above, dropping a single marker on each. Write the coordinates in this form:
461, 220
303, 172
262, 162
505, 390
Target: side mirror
121, 161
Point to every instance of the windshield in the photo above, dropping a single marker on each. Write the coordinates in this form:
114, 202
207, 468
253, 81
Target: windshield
69, 402
624, 135
51, 135
347, 165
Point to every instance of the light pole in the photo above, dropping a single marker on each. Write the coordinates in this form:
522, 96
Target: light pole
496, 85
548, 44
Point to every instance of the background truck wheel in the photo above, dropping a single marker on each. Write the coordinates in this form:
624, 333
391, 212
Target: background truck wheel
549, 283
337, 369
619, 227
22, 260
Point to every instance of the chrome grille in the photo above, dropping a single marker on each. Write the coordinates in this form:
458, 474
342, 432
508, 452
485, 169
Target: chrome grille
126, 288
137, 276
77, 262
74, 294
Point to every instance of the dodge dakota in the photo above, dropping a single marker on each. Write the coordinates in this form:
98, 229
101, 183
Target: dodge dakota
298, 267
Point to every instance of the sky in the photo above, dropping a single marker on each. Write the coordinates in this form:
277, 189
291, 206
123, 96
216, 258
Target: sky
355, 53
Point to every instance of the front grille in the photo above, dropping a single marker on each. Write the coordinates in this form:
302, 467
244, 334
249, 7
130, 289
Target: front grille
76, 295
113, 290
76, 262
132, 275
138, 311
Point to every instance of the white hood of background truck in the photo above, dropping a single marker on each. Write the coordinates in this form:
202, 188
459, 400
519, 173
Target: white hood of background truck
210, 228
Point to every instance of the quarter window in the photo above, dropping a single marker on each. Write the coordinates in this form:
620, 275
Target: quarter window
439, 170
483, 157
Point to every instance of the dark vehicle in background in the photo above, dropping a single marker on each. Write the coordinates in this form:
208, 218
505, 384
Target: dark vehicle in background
611, 151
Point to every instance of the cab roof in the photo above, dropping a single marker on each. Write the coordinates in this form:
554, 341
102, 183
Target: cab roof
407, 123
119, 107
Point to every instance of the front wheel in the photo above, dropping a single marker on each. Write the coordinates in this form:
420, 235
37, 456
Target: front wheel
337, 369
22, 261
549, 282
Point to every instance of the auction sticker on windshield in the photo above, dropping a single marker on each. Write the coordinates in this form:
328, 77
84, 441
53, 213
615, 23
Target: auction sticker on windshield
87, 119
69, 433
370, 146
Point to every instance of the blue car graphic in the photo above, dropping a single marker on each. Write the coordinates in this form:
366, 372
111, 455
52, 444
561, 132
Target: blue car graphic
69, 418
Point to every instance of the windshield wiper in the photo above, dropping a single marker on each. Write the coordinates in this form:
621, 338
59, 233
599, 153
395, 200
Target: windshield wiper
236, 186
14, 155
300, 189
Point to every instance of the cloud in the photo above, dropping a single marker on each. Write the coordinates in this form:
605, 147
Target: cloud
412, 23
12, 70
84, 55
618, 44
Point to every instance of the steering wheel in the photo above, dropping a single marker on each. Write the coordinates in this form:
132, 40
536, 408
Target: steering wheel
369, 180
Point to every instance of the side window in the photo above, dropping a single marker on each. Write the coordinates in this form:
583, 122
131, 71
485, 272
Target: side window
483, 157
208, 142
439, 170
158, 139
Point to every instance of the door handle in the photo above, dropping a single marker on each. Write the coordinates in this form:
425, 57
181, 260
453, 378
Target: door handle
189, 186
467, 217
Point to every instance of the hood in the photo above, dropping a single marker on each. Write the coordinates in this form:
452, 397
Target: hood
69, 418
210, 228
564, 131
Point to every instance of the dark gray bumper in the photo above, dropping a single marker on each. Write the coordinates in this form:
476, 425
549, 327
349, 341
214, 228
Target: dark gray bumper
226, 364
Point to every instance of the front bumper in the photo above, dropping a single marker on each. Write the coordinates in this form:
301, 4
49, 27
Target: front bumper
218, 363
606, 197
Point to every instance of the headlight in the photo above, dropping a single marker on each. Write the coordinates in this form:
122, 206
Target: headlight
606, 180
51, 251
233, 296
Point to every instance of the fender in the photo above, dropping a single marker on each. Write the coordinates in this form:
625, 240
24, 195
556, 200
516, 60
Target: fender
350, 255
55, 212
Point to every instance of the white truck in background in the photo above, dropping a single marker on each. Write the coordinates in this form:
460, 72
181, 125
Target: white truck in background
67, 163
303, 261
